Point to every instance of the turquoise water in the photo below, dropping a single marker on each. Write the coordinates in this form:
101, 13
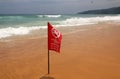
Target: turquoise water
29, 20
22, 24
36, 20
39, 20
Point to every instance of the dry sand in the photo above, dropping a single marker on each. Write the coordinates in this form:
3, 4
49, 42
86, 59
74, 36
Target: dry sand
91, 52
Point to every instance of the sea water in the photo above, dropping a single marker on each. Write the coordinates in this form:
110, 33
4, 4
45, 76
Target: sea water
11, 25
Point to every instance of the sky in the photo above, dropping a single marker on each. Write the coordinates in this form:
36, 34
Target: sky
53, 6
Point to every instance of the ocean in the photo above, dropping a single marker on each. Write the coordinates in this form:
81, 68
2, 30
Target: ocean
11, 25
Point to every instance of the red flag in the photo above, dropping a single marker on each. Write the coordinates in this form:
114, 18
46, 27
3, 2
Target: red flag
54, 38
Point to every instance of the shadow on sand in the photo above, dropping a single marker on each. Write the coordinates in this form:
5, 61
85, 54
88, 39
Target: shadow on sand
47, 77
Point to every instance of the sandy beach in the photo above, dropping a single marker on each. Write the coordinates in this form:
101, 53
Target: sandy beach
89, 52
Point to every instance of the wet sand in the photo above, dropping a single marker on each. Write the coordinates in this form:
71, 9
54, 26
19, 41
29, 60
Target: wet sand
91, 52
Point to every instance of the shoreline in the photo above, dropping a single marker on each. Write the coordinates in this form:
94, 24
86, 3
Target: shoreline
91, 52
40, 33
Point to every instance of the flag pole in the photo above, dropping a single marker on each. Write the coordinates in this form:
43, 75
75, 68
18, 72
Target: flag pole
48, 62
48, 54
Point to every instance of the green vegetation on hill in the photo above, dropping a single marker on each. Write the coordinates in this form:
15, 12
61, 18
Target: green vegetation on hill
115, 10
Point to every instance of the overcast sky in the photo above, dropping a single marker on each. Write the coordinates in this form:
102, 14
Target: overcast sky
53, 6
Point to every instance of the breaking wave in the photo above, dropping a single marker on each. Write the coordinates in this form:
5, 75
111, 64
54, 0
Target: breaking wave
90, 20
50, 16
10, 31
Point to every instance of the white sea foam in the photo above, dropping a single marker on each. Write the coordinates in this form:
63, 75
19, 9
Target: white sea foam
90, 20
10, 31
49, 16
53, 16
